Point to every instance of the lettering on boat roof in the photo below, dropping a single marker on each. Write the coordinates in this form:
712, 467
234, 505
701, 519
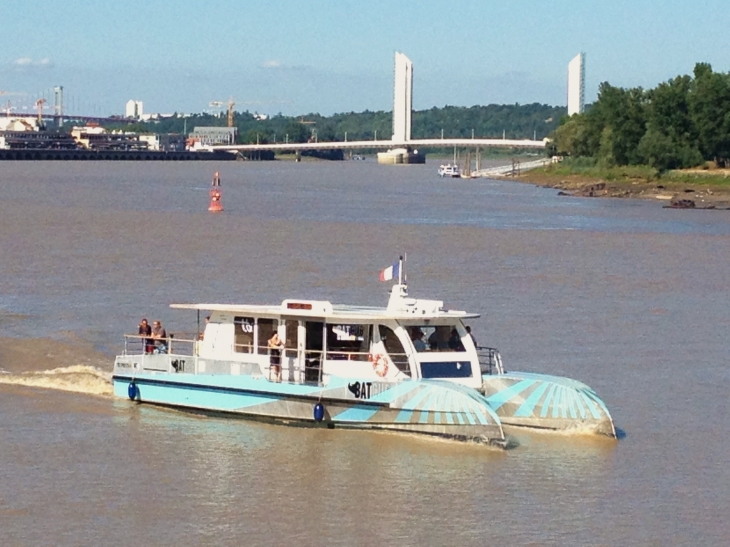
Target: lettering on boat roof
298, 306
317, 306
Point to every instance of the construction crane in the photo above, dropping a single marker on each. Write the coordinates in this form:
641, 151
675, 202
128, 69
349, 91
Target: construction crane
39, 105
8, 107
230, 105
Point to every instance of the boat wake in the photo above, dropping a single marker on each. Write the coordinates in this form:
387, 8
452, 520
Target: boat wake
77, 378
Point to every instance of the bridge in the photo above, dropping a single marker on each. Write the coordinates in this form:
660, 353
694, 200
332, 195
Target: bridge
385, 145
402, 109
65, 117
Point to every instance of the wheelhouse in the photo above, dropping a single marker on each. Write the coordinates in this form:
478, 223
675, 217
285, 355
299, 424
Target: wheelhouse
410, 339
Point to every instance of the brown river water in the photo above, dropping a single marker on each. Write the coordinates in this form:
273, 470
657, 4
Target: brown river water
626, 296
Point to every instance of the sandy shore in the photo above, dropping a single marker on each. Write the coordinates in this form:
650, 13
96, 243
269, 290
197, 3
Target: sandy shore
705, 195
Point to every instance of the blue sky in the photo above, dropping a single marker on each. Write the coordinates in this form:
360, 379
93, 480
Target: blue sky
328, 56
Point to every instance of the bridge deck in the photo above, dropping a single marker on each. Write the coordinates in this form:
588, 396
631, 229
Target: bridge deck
385, 145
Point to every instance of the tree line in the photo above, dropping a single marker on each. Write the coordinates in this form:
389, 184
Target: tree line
511, 121
680, 123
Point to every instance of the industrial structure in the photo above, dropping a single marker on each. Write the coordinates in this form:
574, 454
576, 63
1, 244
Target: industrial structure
213, 135
58, 104
231, 103
576, 84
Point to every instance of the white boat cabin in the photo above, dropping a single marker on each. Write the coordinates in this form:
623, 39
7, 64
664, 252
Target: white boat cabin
410, 338
449, 170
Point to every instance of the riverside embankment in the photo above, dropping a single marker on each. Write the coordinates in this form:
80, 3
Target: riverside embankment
707, 188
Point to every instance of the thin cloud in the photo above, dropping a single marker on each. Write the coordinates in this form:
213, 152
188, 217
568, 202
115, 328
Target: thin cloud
28, 62
276, 64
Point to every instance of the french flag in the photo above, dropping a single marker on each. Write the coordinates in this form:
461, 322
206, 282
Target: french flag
390, 272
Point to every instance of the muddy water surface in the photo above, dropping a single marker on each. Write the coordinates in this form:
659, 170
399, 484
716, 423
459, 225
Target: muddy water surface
623, 295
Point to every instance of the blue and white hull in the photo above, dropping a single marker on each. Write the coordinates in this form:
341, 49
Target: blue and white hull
546, 402
430, 407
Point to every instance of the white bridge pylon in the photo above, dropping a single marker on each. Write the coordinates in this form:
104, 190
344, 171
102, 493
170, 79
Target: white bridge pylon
403, 98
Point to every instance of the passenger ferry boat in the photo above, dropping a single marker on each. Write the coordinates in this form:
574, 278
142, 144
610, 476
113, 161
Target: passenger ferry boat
449, 170
411, 367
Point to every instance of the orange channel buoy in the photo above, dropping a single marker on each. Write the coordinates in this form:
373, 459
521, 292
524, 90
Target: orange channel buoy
215, 195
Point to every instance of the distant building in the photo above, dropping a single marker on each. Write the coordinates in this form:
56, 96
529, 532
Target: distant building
81, 134
164, 142
97, 138
29, 123
208, 136
577, 84
403, 101
36, 140
133, 109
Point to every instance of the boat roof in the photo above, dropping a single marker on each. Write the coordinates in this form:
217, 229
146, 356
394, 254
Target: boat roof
322, 309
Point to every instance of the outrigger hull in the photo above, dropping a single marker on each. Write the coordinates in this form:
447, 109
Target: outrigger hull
428, 407
541, 401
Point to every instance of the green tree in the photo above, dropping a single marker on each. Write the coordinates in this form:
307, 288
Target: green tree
622, 112
296, 131
569, 136
709, 106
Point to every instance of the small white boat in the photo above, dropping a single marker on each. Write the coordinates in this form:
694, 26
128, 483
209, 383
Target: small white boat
449, 170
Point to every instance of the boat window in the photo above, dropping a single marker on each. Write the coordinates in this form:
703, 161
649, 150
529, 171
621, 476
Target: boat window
439, 338
395, 349
292, 333
453, 369
243, 328
266, 328
349, 342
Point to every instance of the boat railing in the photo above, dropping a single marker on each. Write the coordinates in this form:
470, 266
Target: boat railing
314, 359
340, 355
135, 344
490, 361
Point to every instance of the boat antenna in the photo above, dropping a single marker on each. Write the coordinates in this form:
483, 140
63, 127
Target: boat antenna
401, 273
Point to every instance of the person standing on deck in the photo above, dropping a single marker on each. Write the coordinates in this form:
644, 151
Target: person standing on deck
160, 335
146, 330
275, 347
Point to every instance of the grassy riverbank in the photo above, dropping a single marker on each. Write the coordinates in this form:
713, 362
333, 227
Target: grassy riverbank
707, 187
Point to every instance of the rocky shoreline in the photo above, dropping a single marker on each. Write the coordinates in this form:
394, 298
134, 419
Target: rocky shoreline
675, 195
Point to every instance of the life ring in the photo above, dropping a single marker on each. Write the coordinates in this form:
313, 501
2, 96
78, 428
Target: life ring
380, 364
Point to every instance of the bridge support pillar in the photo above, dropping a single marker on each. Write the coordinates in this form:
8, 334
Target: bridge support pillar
479, 159
298, 156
